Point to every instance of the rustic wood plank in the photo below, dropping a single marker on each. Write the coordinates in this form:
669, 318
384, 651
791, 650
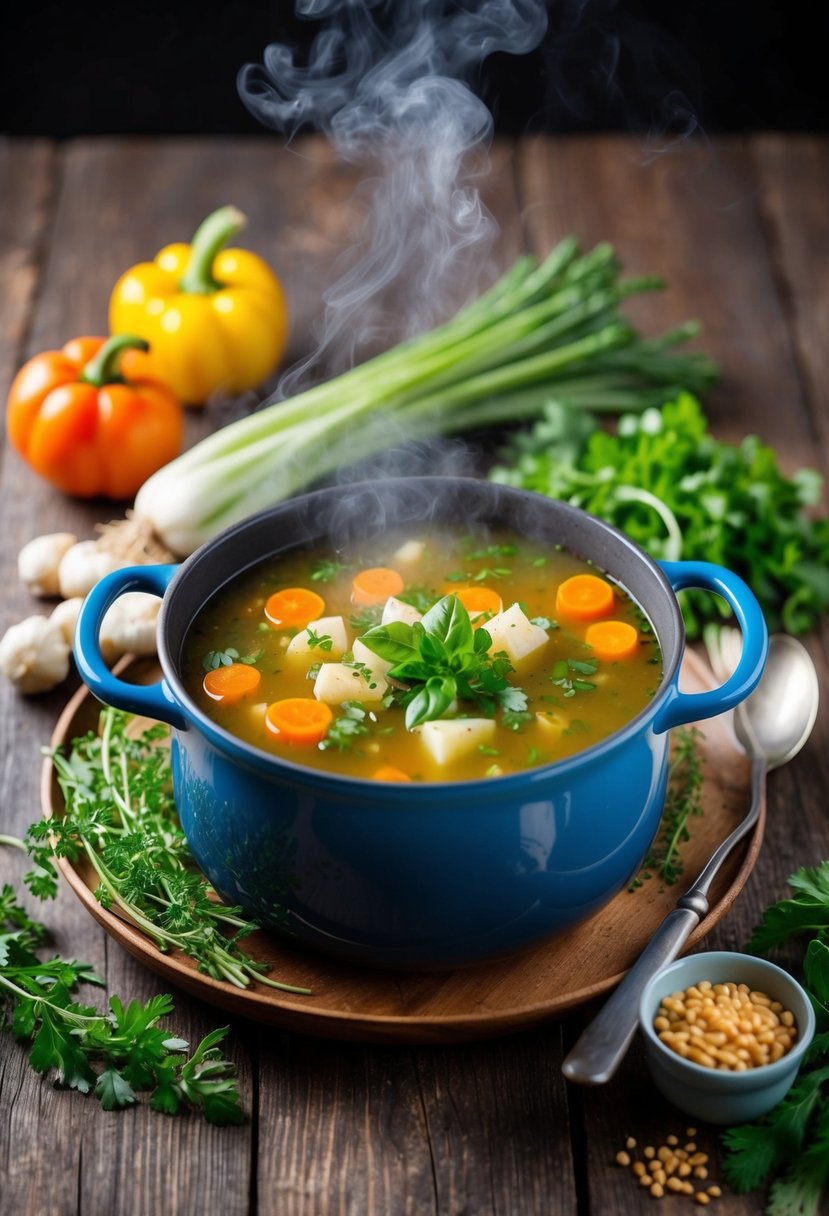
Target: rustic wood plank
793, 174
698, 217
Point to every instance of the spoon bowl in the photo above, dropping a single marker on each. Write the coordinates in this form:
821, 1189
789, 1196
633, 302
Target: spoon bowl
777, 719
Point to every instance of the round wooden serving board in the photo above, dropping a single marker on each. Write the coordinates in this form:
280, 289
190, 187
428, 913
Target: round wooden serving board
352, 1002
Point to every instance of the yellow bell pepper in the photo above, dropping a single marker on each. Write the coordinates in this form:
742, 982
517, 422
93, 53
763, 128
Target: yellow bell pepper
215, 318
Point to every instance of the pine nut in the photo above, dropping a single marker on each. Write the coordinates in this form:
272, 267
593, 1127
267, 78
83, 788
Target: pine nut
724, 1026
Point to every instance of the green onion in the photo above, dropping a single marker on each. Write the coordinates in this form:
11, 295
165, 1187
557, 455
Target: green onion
543, 330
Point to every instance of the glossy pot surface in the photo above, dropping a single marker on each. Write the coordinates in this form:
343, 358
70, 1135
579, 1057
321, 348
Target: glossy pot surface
423, 874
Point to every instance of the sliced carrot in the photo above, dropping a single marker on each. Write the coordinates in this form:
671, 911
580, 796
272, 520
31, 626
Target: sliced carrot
584, 597
294, 606
389, 773
479, 599
612, 640
375, 585
300, 720
229, 684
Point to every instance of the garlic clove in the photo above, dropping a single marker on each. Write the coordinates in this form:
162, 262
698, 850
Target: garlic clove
34, 655
83, 565
65, 616
129, 626
39, 560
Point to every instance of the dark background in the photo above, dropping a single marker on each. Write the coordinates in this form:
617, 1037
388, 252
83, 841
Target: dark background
148, 67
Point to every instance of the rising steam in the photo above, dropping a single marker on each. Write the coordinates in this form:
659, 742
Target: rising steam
388, 82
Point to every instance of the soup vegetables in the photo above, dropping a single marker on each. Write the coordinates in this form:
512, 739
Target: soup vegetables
457, 658
441, 658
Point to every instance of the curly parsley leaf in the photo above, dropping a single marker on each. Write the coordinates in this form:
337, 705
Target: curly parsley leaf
114, 1055
679, 492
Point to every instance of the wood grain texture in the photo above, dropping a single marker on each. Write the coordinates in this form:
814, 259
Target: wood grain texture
737, 229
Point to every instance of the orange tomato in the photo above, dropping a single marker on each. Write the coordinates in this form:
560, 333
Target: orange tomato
79, 419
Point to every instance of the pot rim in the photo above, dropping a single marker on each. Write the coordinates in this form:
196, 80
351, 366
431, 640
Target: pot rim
492, 787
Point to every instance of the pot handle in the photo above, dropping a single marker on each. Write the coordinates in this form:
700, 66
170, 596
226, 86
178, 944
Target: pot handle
683, 707
152, 700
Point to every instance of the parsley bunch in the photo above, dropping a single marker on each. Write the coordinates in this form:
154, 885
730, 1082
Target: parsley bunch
791, 1144
120, 816
680, 493
441, 658
115, 1055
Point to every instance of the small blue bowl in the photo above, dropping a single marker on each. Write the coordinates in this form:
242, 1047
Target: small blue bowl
708, 1093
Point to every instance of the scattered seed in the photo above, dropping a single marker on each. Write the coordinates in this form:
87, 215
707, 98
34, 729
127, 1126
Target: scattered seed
649, 1151
701, 1198
630, 1142
715, 1192
657, 1191
622, 1159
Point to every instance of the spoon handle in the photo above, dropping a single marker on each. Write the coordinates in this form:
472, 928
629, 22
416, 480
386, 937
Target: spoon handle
602, 1046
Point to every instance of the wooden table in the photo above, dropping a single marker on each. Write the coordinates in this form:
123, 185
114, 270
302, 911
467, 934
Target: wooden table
738, 228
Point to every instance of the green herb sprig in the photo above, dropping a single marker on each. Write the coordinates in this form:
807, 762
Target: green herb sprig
679, 492
225, 658
114, 1055
683, 801
441, 658
790, 1146
120, 816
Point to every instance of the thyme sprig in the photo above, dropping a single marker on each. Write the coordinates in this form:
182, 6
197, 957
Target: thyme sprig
682, 801
120, 815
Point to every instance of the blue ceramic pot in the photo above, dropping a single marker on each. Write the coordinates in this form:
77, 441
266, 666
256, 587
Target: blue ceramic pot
423, 874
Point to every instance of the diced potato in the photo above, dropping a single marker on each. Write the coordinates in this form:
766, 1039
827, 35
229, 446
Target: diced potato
396, 610
373, 662
448, 741
410, 552
331, 626
553, 722
514, 633
336, 683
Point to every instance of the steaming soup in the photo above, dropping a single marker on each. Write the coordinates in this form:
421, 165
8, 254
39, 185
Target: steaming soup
433, 658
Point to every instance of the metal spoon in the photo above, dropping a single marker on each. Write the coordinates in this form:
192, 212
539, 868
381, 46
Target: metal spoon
772, 725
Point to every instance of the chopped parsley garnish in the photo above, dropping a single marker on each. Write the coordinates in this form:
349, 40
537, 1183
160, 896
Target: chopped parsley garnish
345, 729
225, 658
319, 641
563, 677
325, 571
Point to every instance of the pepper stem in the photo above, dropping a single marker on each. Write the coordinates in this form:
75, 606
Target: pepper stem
103, 368
211, 235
